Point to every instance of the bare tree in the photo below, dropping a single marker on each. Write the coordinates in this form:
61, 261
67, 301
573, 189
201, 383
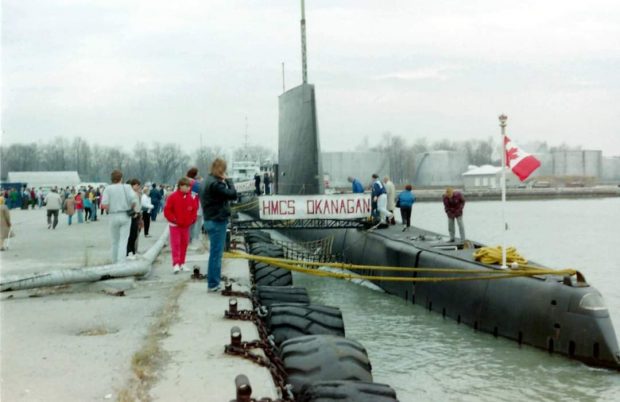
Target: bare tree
169, 162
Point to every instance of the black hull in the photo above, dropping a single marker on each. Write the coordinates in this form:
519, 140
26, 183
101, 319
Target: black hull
544, 312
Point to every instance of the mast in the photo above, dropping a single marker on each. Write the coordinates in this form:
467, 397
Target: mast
304, 61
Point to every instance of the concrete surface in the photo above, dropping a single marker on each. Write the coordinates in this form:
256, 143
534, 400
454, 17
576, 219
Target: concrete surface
77, 342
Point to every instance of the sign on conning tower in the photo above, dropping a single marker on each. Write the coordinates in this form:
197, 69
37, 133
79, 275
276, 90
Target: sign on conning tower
336, 206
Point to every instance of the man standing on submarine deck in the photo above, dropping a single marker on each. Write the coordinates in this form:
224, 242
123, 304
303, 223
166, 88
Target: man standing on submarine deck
454, 202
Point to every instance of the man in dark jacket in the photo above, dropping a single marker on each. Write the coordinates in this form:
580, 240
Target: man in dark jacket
215, 196
453, 203
155, 195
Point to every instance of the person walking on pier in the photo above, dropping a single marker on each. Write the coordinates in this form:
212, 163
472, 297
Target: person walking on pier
69, 208
181, 211
5, 223
454, 202
267, 183
53, 203
79, 207
147, 207
156, 199
215, 196
194, 182
136, 219
405, 201
119, 200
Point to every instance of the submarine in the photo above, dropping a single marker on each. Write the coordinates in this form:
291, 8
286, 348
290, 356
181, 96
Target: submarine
562, 315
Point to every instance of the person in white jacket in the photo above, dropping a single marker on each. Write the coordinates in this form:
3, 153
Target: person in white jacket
53, 203
147, 206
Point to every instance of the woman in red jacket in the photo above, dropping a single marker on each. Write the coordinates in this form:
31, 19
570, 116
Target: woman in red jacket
180, 210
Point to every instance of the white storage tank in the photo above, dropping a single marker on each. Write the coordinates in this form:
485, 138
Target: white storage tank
439, 168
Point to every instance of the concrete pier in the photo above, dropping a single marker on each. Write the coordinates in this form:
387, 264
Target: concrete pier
163, 340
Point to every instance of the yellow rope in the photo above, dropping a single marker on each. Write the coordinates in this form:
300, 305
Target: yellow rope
493, 255
301, 266
246, 206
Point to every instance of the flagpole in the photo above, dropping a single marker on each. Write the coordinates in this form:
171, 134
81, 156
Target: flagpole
502, 124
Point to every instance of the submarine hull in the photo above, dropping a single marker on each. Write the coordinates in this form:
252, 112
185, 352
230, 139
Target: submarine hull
548, 312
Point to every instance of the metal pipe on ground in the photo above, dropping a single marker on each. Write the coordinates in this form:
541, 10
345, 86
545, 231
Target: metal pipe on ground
86, 274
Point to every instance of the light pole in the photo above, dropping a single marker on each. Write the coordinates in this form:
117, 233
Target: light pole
304, 65
502, 123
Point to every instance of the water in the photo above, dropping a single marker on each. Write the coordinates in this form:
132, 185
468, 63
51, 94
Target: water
428, 358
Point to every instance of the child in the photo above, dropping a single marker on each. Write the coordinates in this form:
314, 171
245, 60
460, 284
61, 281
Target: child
180, 210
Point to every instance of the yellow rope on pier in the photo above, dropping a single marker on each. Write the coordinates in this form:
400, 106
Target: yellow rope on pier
309, 267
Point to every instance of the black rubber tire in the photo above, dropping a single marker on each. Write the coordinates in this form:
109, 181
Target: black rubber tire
288, 321
346, 391
268, 275
312, 358
266, 249
269, 295
257, 236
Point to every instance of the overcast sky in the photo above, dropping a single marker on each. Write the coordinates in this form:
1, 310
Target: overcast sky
121, 71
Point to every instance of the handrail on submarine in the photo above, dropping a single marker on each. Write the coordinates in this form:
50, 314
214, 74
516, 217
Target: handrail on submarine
302, 266
260, 224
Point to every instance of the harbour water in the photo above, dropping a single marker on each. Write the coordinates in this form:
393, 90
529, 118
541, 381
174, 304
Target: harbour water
428, 358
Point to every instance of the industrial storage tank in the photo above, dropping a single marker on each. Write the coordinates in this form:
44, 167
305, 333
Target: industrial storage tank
439, 168
611, 170
578, 163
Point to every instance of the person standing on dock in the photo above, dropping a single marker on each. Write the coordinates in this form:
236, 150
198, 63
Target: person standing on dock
257, 184
356, 185
136, 219
405, 201
390, 191
454, 202
156, 198
267, 183
53, 203
5, 223
69, 207
215, 196
119, 200
180, 211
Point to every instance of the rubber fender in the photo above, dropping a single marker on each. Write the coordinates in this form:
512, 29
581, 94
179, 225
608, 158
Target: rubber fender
346, 391
288, 321
268, 275
257, 236
266, 249
268, 295
312, 358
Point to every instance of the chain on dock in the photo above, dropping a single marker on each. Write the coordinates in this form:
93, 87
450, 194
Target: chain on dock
238, 347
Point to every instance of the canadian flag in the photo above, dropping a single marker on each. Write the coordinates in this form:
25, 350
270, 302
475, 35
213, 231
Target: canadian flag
520, 162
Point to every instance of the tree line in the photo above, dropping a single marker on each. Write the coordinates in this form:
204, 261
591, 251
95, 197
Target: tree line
157, 162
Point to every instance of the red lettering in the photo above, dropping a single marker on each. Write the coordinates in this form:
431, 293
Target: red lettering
266, 207
291, 207
310, 207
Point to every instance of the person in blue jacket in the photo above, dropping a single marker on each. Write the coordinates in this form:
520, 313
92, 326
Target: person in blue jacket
356, 185
405, 201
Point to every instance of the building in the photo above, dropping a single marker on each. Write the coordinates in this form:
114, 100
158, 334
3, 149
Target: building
46, 179
487, 177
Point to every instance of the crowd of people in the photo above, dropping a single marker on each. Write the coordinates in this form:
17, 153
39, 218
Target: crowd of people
384, 201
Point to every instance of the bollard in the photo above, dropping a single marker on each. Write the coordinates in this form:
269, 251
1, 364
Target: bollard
235, 336
232, 305
244, 389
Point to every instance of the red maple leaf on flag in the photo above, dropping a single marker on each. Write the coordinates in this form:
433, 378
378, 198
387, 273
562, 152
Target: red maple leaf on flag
511, 154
